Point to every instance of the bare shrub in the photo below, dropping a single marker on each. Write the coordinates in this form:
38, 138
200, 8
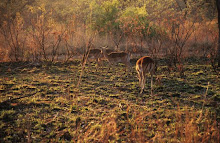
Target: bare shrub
180, 32
14, 37
46, 37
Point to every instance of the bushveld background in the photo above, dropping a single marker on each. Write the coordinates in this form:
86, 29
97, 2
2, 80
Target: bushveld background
48, 95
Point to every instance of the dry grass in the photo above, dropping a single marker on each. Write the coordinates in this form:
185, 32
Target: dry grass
43, 104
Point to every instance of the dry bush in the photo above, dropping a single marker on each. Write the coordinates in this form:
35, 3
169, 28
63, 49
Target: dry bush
196, 126
4, 55
14, 38
203, 39
181, 31
134, 126
203, 43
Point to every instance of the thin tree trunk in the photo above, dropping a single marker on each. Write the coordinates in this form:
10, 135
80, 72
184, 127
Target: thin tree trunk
218, 8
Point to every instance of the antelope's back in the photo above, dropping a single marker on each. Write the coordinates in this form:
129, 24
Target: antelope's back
118, 54
94, 51
146, 63
145, 60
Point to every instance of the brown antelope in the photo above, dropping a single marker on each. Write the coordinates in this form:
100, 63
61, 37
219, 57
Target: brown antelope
144, 65
108, 51
117, 57
93, 54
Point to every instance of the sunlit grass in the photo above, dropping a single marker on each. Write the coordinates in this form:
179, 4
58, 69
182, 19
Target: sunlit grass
43, 105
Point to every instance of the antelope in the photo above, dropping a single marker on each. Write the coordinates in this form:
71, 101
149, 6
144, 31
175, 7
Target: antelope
108, 51
143, 65
117, 57
93, 54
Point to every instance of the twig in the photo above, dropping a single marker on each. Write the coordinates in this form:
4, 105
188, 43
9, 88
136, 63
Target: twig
86, 57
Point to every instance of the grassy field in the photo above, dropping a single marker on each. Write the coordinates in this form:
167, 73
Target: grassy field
43, 104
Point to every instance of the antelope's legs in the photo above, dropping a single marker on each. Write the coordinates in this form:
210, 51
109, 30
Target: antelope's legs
143, 66
139, 74
142, 82
139, 78
151, 85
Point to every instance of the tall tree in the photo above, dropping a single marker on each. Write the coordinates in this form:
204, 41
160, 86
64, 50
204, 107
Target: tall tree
218, 8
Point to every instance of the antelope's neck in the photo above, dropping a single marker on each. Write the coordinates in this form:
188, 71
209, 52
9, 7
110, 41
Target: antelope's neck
105, 54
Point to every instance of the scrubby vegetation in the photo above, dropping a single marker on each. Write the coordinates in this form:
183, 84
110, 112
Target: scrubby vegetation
47, 94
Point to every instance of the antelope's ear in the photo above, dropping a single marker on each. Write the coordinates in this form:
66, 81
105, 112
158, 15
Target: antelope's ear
104, 47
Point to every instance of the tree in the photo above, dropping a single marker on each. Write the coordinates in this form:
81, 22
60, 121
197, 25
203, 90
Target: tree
218, 8
14, 36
